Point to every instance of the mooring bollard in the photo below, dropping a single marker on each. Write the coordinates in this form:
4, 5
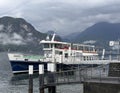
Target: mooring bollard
30, 79
51, 77
41, 78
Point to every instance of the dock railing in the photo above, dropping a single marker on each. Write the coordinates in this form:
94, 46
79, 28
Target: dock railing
85, 74
73, 76
80, 75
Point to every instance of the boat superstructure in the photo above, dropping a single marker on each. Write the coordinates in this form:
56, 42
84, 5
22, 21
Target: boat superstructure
67, 53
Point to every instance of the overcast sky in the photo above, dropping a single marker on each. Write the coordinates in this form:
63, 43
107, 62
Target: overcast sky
62, 16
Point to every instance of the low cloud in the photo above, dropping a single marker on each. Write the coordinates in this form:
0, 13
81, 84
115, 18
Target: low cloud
1, 27
89, 42
14, 39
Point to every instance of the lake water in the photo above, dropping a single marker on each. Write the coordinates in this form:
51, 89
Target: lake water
10, 83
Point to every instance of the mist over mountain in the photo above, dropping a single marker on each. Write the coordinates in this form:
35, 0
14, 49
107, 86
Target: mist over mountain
99, 34
17, 31
16, 34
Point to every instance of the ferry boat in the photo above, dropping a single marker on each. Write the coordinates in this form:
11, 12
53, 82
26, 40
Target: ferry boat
61, 53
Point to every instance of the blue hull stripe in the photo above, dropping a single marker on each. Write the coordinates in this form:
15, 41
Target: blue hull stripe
22, 66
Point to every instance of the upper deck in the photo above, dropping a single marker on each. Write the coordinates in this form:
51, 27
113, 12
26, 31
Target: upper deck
58, 51
48, 45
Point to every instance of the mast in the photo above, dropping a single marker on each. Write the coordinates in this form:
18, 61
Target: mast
53, 48
53, 52
103, 54
53, 37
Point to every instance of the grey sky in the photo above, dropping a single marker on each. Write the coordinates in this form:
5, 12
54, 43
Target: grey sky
62, 16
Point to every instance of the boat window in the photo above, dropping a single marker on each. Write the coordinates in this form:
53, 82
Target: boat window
48, 52
57, 46
86, 49
66, 55
84, 58
80, 47
60, 53
17, 55
64, 46
74, 47
88, 58
91, 48
46, 45
57, 52
26, 60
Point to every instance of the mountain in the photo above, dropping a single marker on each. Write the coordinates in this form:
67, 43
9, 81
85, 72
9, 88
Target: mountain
16, 34
70, 37
50, 32
99, 34
101, 31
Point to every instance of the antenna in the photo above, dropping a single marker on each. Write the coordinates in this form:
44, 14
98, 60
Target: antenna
53, 37
103, 54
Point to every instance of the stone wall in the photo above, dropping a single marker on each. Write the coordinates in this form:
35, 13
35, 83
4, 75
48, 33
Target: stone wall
91, 87
114, 70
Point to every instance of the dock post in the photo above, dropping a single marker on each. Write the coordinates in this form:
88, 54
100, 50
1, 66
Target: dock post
41, 78
51, 78
30, 79
52, 89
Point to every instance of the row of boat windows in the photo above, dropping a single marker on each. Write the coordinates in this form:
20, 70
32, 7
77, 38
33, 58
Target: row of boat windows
74, 47
80, 56
90, 57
